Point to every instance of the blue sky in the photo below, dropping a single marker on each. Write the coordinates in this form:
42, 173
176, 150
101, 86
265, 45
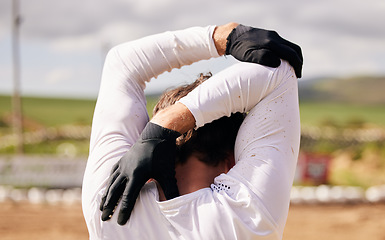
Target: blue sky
63, 43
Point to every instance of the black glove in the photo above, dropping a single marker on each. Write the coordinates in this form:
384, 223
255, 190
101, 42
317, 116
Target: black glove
248, 44
152, 156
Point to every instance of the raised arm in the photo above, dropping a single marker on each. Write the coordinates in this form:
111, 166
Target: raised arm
130, 65
267, 144
120, 114
236, 89
178, 47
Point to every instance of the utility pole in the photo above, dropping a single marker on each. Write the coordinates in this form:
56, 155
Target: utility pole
16, 98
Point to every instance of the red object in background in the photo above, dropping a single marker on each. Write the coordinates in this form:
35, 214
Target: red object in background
313, 168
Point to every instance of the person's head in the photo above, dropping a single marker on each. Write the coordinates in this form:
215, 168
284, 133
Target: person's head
212, 143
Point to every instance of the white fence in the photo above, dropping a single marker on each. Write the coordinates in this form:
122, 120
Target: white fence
54, 179
325, 194
344, 134
63, 132
40, 195
41, 171
58, 180
308, 132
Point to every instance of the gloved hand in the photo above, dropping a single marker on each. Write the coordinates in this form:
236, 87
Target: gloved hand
152, 156
248, 44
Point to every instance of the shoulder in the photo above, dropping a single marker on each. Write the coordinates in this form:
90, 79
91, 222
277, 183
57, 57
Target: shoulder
261, 69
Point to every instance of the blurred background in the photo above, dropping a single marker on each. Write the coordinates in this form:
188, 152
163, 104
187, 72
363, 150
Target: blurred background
52, 54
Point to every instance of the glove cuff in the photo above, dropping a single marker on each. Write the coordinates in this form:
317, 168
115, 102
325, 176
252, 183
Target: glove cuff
156, 131
235, 33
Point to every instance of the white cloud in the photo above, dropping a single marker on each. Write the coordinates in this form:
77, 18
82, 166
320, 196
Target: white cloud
188, 74
337, 36
6, 78
58, 76
77, 44
118, 32
150, 7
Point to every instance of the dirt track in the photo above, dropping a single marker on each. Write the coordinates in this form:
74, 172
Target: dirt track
331, 222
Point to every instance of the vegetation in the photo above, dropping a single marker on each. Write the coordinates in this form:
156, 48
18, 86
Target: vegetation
364, 90
342, 114
51, 112
358, 164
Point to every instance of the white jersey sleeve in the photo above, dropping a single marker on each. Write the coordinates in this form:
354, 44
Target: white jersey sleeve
249, 202
120, 113
267, 143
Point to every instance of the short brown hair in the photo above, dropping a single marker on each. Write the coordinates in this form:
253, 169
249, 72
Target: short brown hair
213, 142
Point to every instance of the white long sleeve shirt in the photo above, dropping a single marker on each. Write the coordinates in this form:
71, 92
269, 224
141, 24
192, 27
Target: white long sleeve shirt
251, 201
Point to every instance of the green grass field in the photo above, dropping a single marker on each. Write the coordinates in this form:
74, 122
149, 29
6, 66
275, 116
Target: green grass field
51, 112
344, 115
55, 112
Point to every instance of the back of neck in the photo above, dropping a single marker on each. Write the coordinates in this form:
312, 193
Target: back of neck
194, 175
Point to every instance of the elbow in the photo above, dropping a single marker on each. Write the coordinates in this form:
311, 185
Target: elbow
113, 58
111, 54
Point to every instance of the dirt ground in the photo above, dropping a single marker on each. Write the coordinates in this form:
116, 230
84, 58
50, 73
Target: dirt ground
23, 221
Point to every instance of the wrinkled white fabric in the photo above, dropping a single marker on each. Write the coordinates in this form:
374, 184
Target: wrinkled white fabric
249, 202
